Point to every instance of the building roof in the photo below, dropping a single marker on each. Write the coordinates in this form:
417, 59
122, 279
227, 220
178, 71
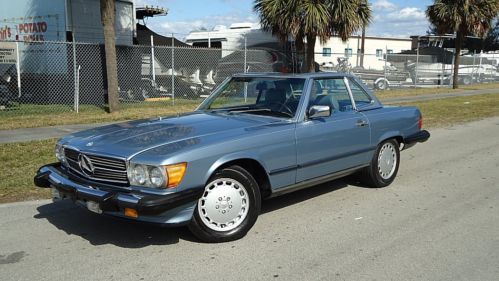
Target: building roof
144, 38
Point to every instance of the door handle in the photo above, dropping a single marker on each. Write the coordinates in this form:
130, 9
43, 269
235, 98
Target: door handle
362, 123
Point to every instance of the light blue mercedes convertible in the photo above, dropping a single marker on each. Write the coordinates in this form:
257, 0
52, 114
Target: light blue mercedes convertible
255, 137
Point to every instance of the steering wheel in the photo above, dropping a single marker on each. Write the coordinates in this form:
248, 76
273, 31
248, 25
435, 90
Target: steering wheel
281, 106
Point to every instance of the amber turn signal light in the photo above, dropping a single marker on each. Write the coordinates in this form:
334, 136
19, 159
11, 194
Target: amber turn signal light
129, 212
175, 174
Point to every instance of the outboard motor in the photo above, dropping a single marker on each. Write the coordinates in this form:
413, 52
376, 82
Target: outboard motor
7, 87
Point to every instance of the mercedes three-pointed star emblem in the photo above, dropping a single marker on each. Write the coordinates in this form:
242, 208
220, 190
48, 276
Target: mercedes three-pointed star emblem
86, 165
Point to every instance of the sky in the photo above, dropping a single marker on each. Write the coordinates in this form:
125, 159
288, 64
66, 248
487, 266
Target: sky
391, 18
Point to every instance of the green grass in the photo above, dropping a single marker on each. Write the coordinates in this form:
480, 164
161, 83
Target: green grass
405, 92
449, 111
20, 161
31, 116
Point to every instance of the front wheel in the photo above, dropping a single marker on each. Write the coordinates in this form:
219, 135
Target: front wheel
384, 165
228, 207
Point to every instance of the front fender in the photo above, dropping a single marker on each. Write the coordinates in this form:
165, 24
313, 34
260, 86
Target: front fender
232, 157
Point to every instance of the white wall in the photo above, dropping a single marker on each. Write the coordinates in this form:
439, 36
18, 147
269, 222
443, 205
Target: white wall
371, 61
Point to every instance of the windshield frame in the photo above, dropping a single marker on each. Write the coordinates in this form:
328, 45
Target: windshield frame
204, 106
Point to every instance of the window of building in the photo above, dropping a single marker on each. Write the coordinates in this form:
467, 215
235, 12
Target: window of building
379, 53
326, 52
389, 51
348, 52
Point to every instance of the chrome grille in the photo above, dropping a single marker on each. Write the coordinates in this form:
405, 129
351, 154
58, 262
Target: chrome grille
105, 169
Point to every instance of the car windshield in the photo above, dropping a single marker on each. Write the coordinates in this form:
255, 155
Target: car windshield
277, 97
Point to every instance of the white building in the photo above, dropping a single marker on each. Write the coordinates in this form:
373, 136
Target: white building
233, 38
375, 49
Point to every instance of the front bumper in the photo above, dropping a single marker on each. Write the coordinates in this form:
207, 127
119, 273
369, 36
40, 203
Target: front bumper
113, 200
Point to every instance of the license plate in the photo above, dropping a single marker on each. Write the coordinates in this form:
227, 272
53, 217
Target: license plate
56, 195
94, 207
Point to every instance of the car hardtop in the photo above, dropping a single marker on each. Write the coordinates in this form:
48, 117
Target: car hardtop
314, 76
308, 75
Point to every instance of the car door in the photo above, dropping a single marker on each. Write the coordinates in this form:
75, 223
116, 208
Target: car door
331, 144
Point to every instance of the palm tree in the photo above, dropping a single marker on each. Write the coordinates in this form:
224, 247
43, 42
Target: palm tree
312, 19
107, 8
464, 17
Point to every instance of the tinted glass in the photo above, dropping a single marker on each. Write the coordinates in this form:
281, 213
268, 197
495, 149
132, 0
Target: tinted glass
263, 96
331, 92
360, 97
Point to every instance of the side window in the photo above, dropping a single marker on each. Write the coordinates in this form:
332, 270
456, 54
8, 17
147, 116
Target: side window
360, 97
331, 92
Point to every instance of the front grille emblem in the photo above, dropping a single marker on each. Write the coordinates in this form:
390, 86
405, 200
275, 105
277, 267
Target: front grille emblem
86, 165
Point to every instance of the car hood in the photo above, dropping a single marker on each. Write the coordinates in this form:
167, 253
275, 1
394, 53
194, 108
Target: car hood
130, 138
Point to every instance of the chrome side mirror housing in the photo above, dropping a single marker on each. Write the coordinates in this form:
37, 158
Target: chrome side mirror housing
318, 111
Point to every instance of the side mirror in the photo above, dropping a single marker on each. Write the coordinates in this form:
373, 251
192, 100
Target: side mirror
318, 111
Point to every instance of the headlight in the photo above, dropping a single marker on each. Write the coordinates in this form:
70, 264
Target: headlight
168, 176
59, 153
138, 175
157, 177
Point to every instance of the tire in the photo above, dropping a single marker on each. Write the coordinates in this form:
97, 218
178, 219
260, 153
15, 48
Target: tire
378, 175
381, 84
228, 208
467, 80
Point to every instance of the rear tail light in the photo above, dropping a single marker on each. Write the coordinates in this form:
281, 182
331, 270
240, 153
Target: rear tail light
420, 122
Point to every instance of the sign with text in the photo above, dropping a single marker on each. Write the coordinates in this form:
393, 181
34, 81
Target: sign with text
8, 53
34, 23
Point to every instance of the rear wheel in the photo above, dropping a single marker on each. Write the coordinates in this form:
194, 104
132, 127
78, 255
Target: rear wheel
384, 165
229, 207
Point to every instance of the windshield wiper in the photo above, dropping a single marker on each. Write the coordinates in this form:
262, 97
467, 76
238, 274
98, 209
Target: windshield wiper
266, 111
249, 110
229, 109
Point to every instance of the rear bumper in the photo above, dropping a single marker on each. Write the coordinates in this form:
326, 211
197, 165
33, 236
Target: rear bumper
113, 201
413, 139
420, 136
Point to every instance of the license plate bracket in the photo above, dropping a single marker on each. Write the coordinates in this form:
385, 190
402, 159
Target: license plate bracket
94, 207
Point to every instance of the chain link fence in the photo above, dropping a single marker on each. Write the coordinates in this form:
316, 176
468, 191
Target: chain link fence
46, 77
383, 71
50, 77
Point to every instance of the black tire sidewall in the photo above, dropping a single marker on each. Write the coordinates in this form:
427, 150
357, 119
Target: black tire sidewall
206, 234
378, 180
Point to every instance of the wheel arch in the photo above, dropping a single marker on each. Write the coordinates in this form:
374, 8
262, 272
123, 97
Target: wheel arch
248, 162
391, 135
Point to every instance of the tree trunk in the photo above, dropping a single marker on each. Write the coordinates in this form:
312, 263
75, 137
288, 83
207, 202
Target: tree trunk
457, 59
363, 46
300, 50
310, 56
107, 8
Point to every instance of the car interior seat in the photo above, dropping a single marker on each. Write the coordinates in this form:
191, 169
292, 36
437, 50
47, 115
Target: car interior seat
275, 98
327, 98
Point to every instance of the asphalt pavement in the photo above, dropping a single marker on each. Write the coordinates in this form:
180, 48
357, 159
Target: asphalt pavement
30, 134
439, 220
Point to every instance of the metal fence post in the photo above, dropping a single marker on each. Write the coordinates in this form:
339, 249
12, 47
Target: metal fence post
76, 104
18, 68
245, 50
153, 66
173, 68
417, 66
386, 60
473, 71
481, 61
451, 79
